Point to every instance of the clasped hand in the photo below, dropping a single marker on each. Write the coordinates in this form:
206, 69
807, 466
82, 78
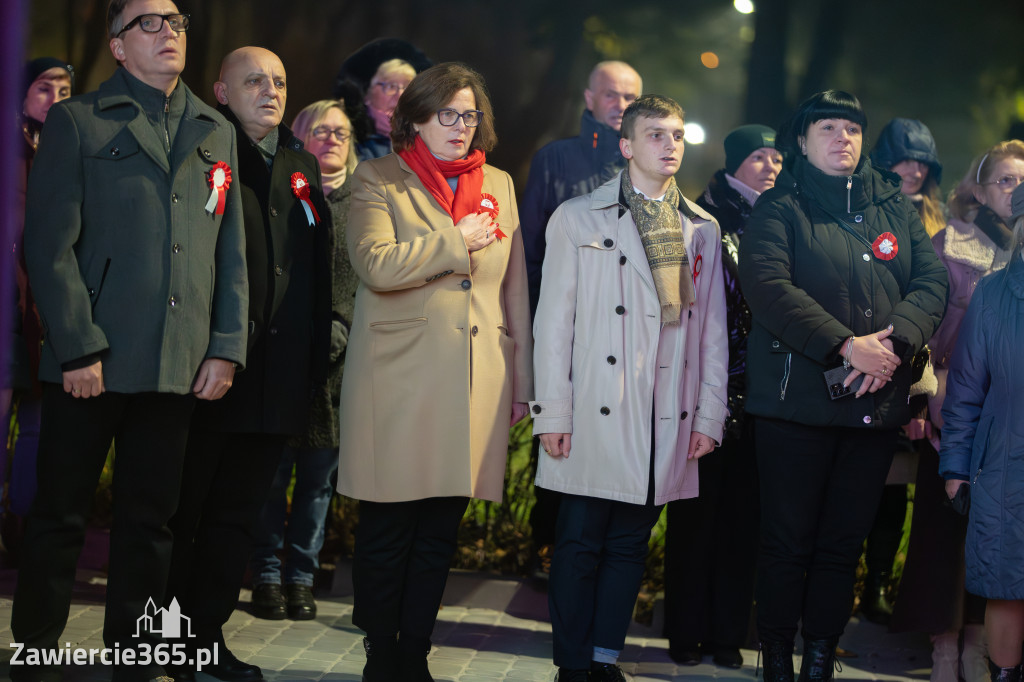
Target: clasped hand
873, 355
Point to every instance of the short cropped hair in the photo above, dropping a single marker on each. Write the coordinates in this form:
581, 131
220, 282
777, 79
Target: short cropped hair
649, 106
433, 89
115, 17
817, 107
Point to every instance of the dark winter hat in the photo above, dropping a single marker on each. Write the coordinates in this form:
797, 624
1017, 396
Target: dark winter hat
906, 139
1017, 204
37, 67
360, 66
742, 142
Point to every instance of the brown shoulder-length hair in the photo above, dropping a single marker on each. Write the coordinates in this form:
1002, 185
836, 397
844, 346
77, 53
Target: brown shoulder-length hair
431, 90
962, 202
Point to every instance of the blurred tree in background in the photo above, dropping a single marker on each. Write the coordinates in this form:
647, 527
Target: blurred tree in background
954, 66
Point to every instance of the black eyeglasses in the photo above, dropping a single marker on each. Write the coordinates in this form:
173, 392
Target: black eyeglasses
448, 117
152, 23
323, 133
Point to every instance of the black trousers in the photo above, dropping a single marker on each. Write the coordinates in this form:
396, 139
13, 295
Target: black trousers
402, 555
599, 561
226, 480
149, 432
820, 489
711, 546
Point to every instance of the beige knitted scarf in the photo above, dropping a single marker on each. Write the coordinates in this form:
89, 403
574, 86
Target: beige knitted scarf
661, 232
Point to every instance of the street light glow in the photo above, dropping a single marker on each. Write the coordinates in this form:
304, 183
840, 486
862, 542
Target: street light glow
693, 133
743, 6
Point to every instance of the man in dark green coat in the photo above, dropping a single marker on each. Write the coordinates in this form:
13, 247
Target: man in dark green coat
235, 445
136, 254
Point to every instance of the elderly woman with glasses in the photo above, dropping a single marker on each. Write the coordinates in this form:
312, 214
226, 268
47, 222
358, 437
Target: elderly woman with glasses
326, 132
439, 357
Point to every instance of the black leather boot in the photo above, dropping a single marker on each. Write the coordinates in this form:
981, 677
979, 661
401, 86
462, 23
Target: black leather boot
874, 603
777, 659
381, 659
1011, 674
819, 660
412, 654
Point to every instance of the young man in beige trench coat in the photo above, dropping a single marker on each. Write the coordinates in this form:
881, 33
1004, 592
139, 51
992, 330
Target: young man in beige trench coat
630, 358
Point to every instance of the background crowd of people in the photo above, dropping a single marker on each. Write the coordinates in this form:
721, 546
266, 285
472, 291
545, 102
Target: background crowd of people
256, 315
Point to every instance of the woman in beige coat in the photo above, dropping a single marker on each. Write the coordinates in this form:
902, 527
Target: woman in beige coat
439, 357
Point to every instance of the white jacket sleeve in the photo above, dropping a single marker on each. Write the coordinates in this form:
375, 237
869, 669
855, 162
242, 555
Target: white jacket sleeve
553, 330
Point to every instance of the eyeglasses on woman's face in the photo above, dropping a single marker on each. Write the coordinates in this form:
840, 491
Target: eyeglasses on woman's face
448, 117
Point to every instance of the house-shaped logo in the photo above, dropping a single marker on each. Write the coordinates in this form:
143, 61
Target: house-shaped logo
164, 622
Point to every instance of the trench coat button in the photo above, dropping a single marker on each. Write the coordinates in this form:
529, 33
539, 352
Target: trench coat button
474, 330
273, 212
172, 301
174, 198
867, 419
775, 344
176, 248
92, 292
868, 313
536, 409
605, 411
114, 151
466, 284
273, 331
858, 218
619, 310
684, 415
278, 270
206, 153
611, 359
866, 257
622, 260
609, 243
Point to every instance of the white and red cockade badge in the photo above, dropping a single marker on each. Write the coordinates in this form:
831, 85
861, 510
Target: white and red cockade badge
219, 179
300, 188
885, 246
489, 205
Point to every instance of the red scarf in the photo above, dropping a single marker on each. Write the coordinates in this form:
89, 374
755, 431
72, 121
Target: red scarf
432, 171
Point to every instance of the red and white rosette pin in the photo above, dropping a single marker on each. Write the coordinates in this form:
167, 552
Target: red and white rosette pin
489, 205
219, 179
300, 188
885, 246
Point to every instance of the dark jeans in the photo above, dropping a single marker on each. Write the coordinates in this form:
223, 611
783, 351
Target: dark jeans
402, 555
149, 432
301, 532
599, 560
820, 489
711, 550
226, 480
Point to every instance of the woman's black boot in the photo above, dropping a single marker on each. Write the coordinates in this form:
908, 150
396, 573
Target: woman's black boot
819, 660
777, 659
1011, 674
381, 659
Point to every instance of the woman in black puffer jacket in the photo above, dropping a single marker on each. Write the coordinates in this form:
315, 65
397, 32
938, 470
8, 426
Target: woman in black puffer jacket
838, 271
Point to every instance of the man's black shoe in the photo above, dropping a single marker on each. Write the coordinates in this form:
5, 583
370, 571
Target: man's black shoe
301, 605
230, 669
268, 602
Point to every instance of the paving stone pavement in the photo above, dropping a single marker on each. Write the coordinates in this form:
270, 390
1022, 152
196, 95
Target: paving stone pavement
489, 629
